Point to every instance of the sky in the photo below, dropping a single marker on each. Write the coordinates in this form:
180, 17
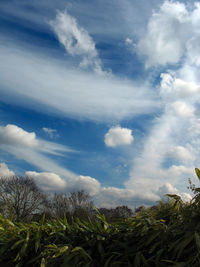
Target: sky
102, 96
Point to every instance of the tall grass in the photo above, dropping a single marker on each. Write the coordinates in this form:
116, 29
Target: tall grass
166, 235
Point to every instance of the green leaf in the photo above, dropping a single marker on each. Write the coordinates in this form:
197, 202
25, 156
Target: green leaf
42, 264
197, 240
154, 236
100, 248
23, 249
176, 264
42, 221
137, 259
37, 241
176, 197
17, 243
82, 252
197, 172
107, 263
184, 243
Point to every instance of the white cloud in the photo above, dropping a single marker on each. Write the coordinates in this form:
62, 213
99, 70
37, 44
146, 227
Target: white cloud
76, 40
186, 197
171, 148
118, 136
183, 109
129, 41
180, 171
112, 197
52, 133
47, 181
192, 45
172, 88
131, 45
41, 161
172, 36
180, 153
14, 135
4, 171
166, 189
52, 182
166, 35
169, 189
60, 90
152, 167
172, 33
86, 183
24, 145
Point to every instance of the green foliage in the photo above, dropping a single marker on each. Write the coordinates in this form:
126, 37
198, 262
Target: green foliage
164, 235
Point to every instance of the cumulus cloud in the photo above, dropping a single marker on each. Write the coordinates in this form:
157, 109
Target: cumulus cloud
166, 189
103, 196
180, 153
47, 181
86, 183
172, 33
14, 135
52, 182
76, 40
112, 197
173, 88
167, 32
24, 145
170, 150
169, 189
118, 136
4, 170
152, 167
183, 109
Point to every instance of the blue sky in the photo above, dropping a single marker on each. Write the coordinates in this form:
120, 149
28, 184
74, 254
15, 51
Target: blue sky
101, 96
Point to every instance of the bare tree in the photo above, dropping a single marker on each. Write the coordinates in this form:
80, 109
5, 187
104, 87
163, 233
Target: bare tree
81, 204
80, 199
20, 197
120, 212
123, 212
60, 205
76, 204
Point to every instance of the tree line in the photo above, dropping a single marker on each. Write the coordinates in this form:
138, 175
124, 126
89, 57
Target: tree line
22, 200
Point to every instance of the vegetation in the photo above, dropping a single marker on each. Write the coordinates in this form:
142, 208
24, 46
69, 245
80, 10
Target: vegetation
20, 197
164, 235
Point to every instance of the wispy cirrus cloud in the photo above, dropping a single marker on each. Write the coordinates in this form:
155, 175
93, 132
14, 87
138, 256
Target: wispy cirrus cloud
52, 133
76, 41
59, 89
